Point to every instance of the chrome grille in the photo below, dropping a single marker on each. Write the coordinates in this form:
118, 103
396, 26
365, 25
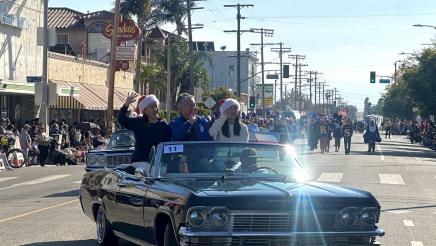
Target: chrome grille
281, 223
115, 160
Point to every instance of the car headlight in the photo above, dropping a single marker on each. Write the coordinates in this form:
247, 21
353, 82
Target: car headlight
101, 159
348, 216
91, 159
219, 216
197, 216
368, 216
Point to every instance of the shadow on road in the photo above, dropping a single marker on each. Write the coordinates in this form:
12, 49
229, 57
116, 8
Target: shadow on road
90, 242
71, 193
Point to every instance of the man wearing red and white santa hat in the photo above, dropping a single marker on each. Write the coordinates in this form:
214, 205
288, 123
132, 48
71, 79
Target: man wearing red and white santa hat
149, 130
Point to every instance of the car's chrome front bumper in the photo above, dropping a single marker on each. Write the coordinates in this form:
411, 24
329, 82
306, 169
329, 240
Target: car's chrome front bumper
191, 237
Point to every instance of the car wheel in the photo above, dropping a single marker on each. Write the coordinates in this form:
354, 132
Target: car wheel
169, 237
105, 236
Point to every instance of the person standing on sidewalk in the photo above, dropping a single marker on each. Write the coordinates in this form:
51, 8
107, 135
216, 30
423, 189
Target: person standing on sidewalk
25, 140
43, 141
347, 132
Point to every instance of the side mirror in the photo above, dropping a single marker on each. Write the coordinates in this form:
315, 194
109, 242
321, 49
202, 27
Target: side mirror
139, 173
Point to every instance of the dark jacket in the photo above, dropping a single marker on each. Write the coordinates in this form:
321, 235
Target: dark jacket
371, 136
146, 134
347, 130
182, 130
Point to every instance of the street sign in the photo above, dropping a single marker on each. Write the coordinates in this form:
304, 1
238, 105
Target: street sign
125, 53
209, 102
34, 79
385, 81
272, 76
127, 30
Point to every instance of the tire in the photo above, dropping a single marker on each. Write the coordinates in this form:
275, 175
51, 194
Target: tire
12, 158
105, 236
169, 237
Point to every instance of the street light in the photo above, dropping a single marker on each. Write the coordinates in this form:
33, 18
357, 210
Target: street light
420, 25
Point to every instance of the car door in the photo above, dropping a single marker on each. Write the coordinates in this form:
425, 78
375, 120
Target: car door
130, 201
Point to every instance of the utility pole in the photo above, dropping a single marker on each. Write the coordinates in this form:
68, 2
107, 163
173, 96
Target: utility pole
168, 92
44, 106
111, 79
269, 33
281, 50
315, 80
297, 58
238, 42
299, 93
191, 75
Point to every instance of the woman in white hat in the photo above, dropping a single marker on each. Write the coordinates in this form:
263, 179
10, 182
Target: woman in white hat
228, 127
149, 130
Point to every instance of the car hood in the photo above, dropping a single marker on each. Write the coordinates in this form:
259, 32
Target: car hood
273, 193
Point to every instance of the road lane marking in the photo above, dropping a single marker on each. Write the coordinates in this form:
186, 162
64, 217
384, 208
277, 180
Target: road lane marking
382, 157
37, 211
416, 243
391, 179
2, 179
408, 223
399, 211
37, 181
330, 177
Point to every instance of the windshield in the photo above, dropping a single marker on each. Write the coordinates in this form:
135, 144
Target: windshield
122, 140
226, 158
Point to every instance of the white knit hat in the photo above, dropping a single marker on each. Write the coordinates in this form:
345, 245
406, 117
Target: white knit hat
147, 101
228, 103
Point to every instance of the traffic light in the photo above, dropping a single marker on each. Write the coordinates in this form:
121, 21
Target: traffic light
252, 102
285, 71
372, 77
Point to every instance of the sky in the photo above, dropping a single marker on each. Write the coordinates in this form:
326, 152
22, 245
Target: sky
342, 39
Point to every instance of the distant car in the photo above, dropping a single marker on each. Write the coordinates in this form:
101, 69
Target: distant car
216, 193
118, 152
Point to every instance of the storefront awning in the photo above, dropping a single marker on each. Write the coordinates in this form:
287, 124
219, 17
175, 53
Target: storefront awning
89, 96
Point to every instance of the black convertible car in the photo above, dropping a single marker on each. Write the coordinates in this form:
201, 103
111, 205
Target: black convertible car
212, 193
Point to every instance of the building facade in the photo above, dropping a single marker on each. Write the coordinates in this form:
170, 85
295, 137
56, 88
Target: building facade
221, 67
20, 57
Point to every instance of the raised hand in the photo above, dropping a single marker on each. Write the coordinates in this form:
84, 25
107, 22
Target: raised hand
131, 97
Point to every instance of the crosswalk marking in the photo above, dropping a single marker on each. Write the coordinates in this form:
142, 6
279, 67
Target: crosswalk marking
37, 181
330, 177
408, 223
2, 179
416, 243
382, 157
419, 160
391, 179
399, 211
78, 182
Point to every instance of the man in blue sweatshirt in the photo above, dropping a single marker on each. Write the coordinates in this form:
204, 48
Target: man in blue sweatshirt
189, 126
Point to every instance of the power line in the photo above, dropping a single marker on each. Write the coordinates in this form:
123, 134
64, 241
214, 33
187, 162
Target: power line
238, 41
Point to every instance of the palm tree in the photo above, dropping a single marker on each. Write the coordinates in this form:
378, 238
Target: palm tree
151, 13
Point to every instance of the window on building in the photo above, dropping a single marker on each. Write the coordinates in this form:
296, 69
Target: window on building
62, 38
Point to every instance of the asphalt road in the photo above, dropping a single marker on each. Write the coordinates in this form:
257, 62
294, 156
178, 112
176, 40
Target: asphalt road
39, 206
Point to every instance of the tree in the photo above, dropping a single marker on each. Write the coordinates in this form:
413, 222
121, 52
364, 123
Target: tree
397, 103
367, 107
151, 13
419, 81
179, 67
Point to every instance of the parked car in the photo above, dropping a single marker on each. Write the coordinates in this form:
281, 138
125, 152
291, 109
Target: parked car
118, 152
214, 193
